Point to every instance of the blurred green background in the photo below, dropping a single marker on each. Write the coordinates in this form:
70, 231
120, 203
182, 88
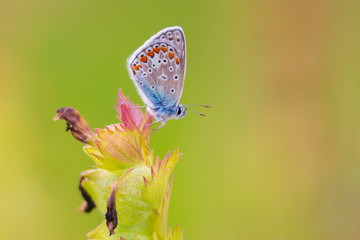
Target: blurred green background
276, 158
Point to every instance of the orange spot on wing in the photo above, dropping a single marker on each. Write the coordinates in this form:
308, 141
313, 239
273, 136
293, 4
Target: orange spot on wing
157, 50
177, 60
133, 71
171, 55
143, 59
164, 49
139, 66
135, 67
151, 54
170, 38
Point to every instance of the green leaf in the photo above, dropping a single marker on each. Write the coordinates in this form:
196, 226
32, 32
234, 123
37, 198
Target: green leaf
137, 205
157, 223
130, 204
140, 231
177, 233
94, 153
160, 173
164, 208
96, 183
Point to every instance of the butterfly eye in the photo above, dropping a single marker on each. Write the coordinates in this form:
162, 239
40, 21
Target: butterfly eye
179, 111
172, 90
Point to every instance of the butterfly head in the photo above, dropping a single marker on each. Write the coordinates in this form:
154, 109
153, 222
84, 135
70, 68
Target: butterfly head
181, 112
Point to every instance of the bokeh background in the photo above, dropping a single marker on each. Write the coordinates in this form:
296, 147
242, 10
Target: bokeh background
277, 157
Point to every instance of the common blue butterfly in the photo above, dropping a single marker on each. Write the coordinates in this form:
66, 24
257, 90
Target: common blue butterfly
158, 71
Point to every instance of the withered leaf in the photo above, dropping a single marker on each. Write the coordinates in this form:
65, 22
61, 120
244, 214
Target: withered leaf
89, 203
111, 214
78, 126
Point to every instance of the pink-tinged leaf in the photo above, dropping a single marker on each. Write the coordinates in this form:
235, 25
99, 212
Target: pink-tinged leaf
147, 183
127, 117
157, 163
131, 116
163, 162
126, 143
121, 145
152, 173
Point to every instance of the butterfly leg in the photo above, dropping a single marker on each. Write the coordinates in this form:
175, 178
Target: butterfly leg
158, 120
163, 124
153, 123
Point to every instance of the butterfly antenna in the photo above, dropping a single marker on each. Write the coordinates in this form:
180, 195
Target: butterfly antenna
201, 114
205, 106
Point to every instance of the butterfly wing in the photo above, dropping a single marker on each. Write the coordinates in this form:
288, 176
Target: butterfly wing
158, 68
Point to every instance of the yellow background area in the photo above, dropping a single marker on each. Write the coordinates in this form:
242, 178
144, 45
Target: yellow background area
277, 157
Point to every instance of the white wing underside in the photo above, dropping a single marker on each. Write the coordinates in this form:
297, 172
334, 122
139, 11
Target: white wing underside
154, 70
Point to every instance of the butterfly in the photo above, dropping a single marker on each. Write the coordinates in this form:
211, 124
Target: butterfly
157, 69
